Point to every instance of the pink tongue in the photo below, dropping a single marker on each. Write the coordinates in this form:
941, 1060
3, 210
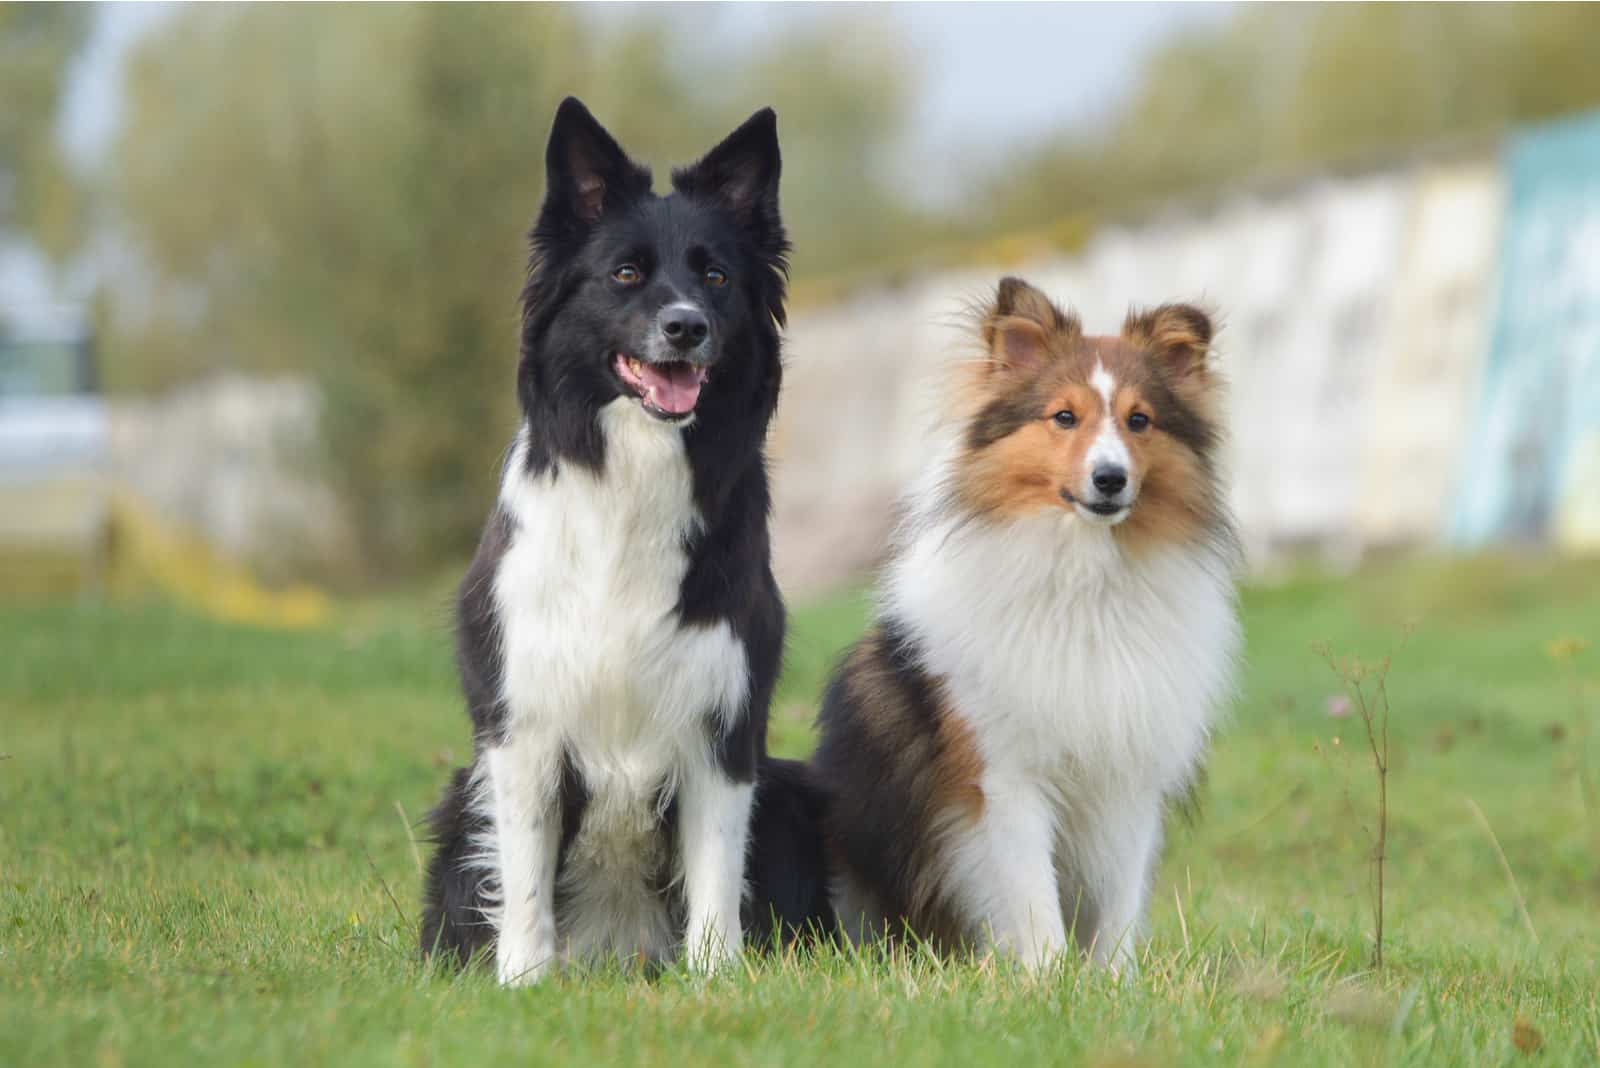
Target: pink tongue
674, 387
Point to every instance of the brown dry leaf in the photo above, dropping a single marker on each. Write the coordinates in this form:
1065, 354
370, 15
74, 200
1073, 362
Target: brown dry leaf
1525, 1036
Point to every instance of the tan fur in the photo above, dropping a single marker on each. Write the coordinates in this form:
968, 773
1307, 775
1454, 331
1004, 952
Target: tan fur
1181, 333
1038, 363
951, 767
1018, 475
1174, 491
959, 766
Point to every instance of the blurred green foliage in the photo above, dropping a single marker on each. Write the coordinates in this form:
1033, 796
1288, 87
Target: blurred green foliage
38, 194
1286, 89
343, 192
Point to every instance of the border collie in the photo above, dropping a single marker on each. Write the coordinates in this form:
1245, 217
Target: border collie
619, 631
1056, 634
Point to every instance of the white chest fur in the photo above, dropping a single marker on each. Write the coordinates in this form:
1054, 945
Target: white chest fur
587, 595
1072, 660
597, 665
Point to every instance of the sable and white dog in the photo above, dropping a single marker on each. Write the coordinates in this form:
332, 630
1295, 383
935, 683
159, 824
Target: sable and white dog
1055, 639
619, 631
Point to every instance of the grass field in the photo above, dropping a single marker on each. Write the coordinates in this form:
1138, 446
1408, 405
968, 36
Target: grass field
205, 858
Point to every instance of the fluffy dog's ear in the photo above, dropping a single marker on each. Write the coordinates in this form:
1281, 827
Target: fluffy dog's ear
1015, 297
1179, 335
1017, 325
742, 174
586, 171
1015, 344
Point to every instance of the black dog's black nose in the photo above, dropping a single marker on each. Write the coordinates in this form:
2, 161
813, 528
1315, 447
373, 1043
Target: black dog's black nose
1110, 479
684, 326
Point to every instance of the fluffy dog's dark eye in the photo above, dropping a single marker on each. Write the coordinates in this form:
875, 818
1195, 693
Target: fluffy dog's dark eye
1065, 419
1138, 422
716, 276
627, 274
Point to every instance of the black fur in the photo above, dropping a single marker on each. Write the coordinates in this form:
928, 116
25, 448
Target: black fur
452, 924
878, 766
599, 211
787, 866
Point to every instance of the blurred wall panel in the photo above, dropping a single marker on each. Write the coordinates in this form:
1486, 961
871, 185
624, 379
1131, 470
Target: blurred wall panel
1339, 320
859, 390
1427, 375
1251, 274
231, 459
1530, 465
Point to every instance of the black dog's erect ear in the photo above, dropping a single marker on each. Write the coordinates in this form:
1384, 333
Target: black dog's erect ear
742, 173
586, 171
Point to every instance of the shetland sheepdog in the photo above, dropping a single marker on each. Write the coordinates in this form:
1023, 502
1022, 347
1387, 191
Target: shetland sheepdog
1056, 636
619, 631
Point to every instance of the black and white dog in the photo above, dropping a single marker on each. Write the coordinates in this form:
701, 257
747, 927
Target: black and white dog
619, 632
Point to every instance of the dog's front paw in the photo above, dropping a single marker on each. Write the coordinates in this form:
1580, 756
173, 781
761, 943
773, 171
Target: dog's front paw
1123, 962
522, 961
709, 949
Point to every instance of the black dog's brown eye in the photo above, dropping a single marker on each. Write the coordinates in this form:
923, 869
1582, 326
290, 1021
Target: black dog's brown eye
716, 276
627, 274
1138, 422
1065, 419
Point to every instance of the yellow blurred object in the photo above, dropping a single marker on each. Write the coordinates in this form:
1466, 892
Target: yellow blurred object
147, 555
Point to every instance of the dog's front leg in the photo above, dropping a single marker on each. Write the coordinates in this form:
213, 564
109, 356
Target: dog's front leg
1117, 856
1001, 871
524, 789
713, 826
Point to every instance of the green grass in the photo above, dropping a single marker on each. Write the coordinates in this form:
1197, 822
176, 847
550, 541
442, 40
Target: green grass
203, 858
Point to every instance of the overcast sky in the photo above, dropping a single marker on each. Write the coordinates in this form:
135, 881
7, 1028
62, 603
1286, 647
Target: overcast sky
1006, 68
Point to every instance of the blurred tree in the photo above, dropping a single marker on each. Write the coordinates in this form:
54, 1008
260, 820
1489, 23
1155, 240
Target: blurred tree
842, 95
344, 191
38, 197
1288, 89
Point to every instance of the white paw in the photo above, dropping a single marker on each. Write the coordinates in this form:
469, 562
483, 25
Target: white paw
1039, 958
1037, 950
1122, 960
522, 961
709, 949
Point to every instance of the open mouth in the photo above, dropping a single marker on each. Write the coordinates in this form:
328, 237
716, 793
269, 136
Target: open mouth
667, 390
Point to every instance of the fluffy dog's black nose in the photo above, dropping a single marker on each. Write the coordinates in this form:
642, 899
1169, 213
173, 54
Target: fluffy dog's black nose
1110, 479
684, 326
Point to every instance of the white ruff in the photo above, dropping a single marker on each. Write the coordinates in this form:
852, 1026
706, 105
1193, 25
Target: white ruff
1091, 679
597, 665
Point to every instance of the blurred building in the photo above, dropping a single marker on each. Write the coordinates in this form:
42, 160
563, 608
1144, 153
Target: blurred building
54, 496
